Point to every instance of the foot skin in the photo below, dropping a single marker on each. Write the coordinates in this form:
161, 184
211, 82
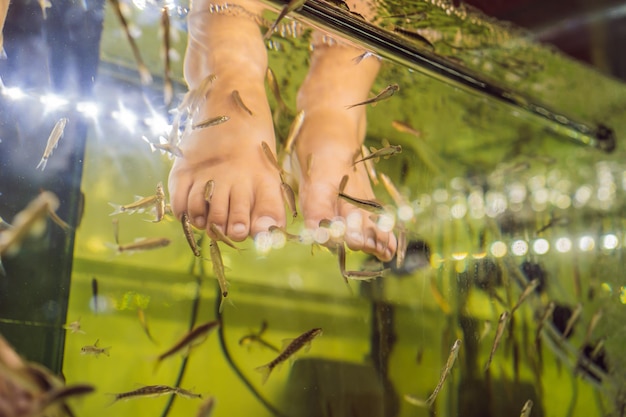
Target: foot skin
247, 195
330, 137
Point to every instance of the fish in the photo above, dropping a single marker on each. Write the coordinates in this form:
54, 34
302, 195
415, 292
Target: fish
144, 73
502, 321
302, 341
44, 4
393, 191
290, 198
168, 88
240, 103
61, 394
289, 236
94, 294
385, 152
544, 318
403, 244
527, 291
27, 221
164, 146
188, 231
209, 188
454, 353
273, 84
4, 225
343, 183
572, 320
143, 244
288, 8
405, 128
194, 337
592, 325
212, 121
270, 157
53, 142
341, 257
368, 205
257, 337
218, 270
145, 392
206, 408
365, 275
386, 93
143, 321
357, 59
221, 236
294, 131
95, 350
195, 97
58, 221
184, 393
369, 165
139, 205
74, 327
526, 409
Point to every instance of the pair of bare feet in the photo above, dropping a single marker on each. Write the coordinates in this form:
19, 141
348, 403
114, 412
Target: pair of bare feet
247, 196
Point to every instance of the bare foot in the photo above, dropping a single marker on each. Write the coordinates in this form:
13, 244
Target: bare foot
247, 194
330, 137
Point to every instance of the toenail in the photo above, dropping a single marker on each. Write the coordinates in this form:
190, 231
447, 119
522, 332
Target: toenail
239, 229
264, 223
370, 243
198, 222
356, 237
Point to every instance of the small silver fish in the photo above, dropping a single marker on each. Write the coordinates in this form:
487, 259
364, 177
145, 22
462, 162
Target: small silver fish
302, 341
74, 327
95, 350
405, 128
386, 93
209, 188
502, 321
53, 141
144, 244
454, 353
288, 8
211, 121
138, 205
572, 320
385, 152
240, 103
273, 84
197, 335
294, 131
221, 236
365, 275
184, 393
145, 392
527, 291
206, 408
218, 270
527, 408
290, 198
188, 231
368, 205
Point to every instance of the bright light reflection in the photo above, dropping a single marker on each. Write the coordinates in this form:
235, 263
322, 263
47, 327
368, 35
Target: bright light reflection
88, 108
278, 240
541, 246
52, 102
563, 244
158, 125
519, 247
405, 213
321, 235
126, 118
582, 195
263, 242
337, 228
610, 241
386, 222
459, 256
458, 210
586, 243
622, 294
14, 93
498, 249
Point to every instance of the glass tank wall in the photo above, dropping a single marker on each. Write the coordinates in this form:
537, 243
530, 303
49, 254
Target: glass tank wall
509, 193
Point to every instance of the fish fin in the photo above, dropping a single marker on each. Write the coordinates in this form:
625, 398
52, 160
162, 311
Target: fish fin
42, 164
265, 372
373, 149
226, 299
385, 142
285, 343
306, 347
411, 399
96, 344
117, 209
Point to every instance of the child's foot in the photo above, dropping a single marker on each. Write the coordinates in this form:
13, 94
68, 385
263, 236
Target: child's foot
247, 194
327, 145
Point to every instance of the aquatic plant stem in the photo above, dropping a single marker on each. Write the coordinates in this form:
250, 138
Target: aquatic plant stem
233, 365
192, 322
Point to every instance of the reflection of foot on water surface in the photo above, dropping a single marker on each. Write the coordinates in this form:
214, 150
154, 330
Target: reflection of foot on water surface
247, 196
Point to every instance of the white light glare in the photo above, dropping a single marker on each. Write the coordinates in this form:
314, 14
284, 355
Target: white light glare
586, 243
519, 247
610, 241
563, 244
52, 102
126, 118
498, 249
14, 93
88, 108
158, 125
541, 246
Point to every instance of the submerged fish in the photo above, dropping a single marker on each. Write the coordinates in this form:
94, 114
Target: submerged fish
369, 165
144, 73
221, 236
288, 8
95, 350
74, 327
502, 321
389, 91
165, 146
385, 152
288, 236
273, 84
188, 231
365, 275
209, 187
139, 205
368, 205
454, 353
270, 157
206, 408
527, 291
44, 4
405, 128
168, 89
184, 393
240, 103
572, 320
257, 338
53, 141
155, 391
302, 341
218, 270
143, 321
527, 408
290, 198
143, 244
194, 337
211, 121
195, 97
94, 294
294, 131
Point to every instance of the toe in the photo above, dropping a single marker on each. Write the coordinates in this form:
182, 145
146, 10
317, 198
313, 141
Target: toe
219, 207
196, 205
239, 214
178, 186
268, 209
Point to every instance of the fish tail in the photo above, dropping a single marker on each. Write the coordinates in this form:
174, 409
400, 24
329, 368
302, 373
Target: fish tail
152, 147
117, 209
265, 372
42, 164
144, 74
106, 351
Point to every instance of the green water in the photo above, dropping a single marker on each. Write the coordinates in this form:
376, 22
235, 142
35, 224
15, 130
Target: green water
383, 340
